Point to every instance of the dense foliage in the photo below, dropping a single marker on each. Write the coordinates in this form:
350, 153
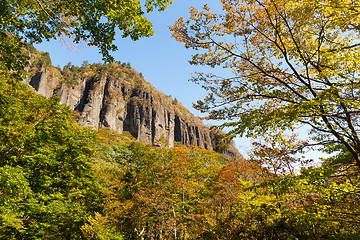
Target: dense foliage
54, 187
45, 169
61, 181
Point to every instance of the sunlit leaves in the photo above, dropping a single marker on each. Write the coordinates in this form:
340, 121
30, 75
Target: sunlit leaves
94, 22
46, 179
292, 63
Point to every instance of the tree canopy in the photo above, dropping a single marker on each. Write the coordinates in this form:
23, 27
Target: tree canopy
293, 63
94, 22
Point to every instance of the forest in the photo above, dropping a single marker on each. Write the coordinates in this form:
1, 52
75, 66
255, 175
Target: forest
294, 64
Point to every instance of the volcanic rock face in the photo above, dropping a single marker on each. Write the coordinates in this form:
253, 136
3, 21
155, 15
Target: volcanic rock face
104, 101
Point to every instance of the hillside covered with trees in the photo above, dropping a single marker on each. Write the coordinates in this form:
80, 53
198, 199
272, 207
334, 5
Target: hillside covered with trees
61, 181
294, 64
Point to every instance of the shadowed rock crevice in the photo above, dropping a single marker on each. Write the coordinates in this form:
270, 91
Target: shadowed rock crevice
153, 127
105, 105
35, 81
130, 121
177, 130
84, 96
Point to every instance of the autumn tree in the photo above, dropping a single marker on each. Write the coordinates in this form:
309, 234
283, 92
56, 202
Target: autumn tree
293, 63
278, 153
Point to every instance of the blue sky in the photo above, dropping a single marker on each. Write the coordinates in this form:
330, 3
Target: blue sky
161, 59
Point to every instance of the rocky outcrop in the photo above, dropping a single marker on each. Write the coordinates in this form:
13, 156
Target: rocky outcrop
102, 101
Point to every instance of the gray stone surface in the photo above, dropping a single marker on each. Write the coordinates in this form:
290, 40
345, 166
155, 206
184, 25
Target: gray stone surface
104, 103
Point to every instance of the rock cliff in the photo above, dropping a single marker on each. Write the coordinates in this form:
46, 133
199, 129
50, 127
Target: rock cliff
116, 97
